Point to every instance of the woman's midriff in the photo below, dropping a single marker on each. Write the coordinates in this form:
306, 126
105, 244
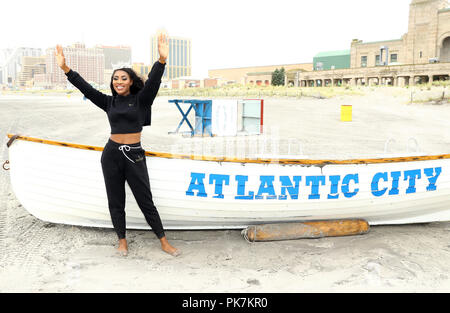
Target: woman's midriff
126, 139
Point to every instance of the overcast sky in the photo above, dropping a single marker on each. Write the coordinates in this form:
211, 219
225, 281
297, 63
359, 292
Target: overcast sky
225, 34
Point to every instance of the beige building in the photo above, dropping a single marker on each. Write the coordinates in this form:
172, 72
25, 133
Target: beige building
142, 69
421, 55
428, 30
258, 75
31, 66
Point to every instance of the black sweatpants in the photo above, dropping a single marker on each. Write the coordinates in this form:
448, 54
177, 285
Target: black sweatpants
122, 163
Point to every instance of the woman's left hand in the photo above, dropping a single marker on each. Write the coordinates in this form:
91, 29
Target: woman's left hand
163, 47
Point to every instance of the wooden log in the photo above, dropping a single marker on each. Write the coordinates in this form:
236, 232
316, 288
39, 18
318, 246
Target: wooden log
311, 229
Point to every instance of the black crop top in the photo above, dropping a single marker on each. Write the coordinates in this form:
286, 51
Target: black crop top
126, 114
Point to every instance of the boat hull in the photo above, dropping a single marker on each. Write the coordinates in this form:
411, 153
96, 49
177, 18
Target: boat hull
62, 184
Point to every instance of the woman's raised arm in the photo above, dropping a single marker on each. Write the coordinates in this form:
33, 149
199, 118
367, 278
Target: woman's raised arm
151, 86
98, 98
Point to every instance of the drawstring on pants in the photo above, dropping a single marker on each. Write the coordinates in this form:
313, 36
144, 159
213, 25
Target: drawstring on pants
127, 148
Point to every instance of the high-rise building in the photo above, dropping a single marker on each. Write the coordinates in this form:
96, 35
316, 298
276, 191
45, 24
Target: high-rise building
179, 59
88, 62
12, 62
115, 57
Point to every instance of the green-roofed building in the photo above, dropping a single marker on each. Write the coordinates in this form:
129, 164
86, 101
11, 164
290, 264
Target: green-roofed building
330, 60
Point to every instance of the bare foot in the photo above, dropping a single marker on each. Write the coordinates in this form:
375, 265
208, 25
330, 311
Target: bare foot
168, 248
123, 247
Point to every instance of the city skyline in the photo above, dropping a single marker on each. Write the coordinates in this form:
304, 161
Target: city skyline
231, 34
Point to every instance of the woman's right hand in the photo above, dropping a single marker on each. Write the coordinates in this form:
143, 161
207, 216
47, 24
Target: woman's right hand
60, 59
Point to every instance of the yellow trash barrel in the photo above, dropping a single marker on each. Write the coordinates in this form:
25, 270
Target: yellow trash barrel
310, 229
346, 113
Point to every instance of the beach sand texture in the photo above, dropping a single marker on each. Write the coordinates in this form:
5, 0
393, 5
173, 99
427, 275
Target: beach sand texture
42, 257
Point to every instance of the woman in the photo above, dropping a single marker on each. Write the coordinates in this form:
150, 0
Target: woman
123, 159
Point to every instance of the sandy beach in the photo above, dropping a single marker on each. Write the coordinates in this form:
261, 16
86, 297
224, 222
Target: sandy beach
43, 257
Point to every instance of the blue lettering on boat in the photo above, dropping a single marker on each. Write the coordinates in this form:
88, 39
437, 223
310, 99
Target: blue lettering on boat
312, 186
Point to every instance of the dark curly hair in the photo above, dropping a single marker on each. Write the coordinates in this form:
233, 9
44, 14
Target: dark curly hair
137, 85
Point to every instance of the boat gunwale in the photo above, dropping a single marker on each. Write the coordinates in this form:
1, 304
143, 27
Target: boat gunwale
315, 162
